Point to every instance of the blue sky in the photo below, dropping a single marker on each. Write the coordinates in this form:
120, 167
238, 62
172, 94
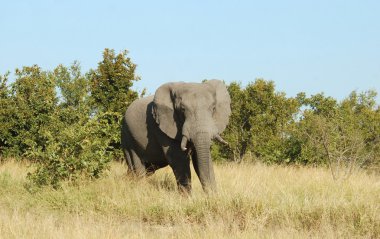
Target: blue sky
330, 46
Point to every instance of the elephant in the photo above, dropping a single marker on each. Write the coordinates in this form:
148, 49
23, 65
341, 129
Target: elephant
175, 126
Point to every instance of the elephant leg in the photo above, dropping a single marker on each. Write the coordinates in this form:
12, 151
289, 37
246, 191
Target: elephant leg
138, 168
128, 159
180, 164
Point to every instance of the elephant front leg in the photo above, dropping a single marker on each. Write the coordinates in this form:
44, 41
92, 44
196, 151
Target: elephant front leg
183, 176
180, 163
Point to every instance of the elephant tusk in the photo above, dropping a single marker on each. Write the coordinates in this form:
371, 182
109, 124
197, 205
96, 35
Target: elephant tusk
220, 139
184, 143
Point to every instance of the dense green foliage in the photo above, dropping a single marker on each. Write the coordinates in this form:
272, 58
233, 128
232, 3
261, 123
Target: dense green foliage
68, 122
111, 82
259, 122
268, 126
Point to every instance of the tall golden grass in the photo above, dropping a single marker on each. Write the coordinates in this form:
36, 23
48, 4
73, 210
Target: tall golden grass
253, 201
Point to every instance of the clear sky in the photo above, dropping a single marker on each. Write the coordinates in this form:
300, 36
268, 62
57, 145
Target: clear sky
330, 46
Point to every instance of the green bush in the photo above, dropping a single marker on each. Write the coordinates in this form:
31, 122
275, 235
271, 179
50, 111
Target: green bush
110, 90
266, 125
30, 104
111, 82
66, 122
341, 135
79, 151
5, 111
259, 122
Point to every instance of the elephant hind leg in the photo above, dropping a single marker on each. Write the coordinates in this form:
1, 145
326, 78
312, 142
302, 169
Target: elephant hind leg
128, 158
135, 165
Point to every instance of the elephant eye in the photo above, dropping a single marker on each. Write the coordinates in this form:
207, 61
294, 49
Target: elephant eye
182, 108
213, 108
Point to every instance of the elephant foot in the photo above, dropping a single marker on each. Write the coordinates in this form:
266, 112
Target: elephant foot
185, 190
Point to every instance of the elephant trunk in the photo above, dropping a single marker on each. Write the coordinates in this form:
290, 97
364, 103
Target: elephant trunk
204, 167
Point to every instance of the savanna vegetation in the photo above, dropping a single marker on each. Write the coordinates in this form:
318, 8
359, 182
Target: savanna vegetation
304, 166
253, 201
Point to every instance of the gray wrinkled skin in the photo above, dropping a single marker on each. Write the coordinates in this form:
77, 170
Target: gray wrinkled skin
179, 121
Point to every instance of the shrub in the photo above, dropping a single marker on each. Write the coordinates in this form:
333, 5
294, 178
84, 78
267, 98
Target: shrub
339, 135
259, 121
67, 122
80, 150
5, 109
30, 104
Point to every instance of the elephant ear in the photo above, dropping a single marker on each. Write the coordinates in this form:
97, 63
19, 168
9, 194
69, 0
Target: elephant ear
163, 110
223, 102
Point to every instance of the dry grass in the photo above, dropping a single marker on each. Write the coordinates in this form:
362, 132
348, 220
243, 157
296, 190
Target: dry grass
253, 201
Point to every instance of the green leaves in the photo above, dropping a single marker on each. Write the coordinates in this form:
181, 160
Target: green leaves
111, 82
266, 125
5, 111
330, 131
81, 150
29, 106
74, 87
259, 120
66, 122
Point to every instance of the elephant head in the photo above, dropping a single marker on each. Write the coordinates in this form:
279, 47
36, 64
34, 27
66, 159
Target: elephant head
195, 113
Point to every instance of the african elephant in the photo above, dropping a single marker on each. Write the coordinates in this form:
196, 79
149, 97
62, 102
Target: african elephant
179, 121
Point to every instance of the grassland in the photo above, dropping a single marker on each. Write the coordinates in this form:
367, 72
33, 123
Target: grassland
253, 201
